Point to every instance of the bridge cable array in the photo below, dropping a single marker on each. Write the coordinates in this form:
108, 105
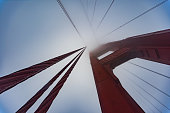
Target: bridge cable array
146, 99
68, 16
132, 81
89, 22
13, 79
149, 70
105, 14
161, 3
148, 83
45, 105
85, 12
29, 103
141, 98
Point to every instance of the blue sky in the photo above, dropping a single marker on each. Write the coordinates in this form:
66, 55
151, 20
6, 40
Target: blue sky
32, 31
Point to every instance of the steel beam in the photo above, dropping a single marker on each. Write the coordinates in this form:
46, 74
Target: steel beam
152, 46
113, 97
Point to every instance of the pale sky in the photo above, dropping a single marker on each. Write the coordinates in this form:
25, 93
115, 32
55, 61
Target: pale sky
32, 31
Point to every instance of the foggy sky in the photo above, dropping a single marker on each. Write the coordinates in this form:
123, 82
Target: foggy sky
32, 31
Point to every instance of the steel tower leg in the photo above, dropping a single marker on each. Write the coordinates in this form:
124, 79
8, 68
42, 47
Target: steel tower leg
112, 96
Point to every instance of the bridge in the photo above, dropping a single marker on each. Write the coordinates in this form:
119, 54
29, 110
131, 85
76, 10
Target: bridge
104, 59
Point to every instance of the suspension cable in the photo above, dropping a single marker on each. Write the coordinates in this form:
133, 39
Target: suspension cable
148, 83
15, 78
146, 99
105, 14
149, 70
30, 102
147, 92
94, 9
90, 24
135, 90
135, 18
45, 105
85, 12
66, 13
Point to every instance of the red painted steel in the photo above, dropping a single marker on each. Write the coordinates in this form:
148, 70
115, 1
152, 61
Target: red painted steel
152, 46
11, 80
30, 102
45, 105
112, 96
156, 54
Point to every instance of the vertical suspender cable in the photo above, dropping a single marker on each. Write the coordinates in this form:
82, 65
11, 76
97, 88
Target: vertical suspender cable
135, 18
148, 83
105, 14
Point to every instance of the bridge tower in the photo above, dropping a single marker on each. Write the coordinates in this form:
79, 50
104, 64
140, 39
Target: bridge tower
113, 97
